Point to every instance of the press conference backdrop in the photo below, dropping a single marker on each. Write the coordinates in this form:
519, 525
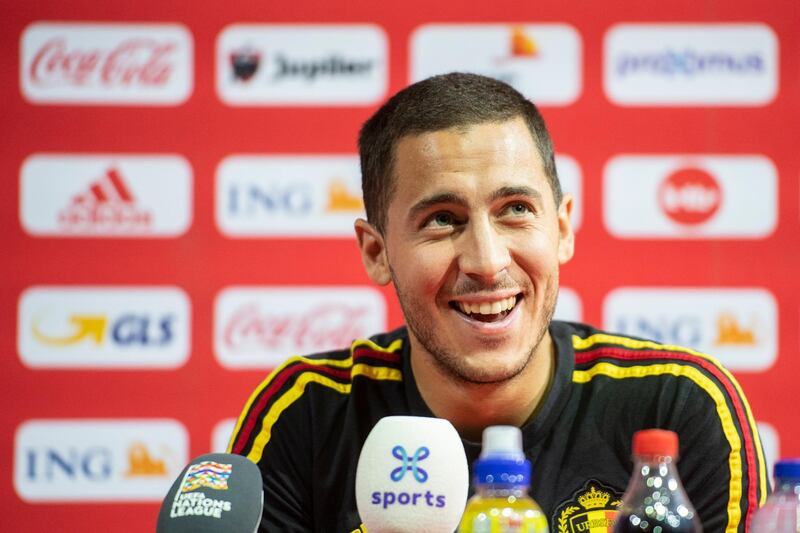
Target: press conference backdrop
180, 181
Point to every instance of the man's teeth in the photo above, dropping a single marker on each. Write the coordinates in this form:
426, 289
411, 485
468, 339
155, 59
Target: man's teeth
487, 308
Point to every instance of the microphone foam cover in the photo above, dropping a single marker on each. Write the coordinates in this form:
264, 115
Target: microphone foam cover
216, 492
412, 475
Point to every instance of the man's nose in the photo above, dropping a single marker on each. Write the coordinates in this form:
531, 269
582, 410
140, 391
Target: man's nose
483, 251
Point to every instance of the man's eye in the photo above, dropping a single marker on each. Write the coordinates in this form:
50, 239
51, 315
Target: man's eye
518, 209
441, 220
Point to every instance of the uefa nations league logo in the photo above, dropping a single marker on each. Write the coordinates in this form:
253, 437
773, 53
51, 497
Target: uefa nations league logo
410, 464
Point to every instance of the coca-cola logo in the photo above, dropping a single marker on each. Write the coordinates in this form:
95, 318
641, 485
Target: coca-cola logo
322, 327
690, 196
132, 62
106, 64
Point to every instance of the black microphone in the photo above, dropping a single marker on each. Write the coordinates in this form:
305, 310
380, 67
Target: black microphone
215, 493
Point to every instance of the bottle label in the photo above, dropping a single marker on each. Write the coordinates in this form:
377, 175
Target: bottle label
484, 523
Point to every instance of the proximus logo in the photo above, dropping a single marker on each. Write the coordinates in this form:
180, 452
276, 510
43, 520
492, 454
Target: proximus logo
410, 463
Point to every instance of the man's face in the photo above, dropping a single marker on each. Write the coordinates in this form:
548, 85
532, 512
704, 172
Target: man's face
473, 243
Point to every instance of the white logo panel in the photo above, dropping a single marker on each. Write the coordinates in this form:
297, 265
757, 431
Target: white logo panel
738, 326
302, 64
690, 196
570, 176
221, 435
770, 445
98, 460
260, 327
691, 64
103, 327
568, 306
103, 64
542, 61
295, 196
106, 195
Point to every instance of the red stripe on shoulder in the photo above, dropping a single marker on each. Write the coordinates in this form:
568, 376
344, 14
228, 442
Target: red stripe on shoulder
275, 385
741, 415
366, 351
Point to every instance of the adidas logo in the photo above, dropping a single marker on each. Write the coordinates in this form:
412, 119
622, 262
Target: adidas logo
107, 205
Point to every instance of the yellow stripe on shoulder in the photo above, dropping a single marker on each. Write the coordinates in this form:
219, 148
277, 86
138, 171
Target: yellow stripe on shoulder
393, 347
604, 338
580, 343
297, 390
337, 363
723, 412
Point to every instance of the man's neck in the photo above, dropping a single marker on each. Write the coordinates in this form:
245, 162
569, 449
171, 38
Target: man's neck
472, 407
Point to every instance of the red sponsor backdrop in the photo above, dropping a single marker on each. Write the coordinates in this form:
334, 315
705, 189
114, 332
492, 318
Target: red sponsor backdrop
203, 261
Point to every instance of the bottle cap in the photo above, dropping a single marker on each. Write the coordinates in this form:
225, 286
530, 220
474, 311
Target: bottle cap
502, 461
788, 469
502, 442
655, 442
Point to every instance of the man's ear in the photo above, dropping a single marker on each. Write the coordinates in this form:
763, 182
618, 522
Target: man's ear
566, 236
373, 252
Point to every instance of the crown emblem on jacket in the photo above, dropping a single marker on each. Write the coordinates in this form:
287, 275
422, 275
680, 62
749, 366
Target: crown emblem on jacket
594, 499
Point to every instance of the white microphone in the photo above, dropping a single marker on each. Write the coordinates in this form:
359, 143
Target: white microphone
215, 493
412, 475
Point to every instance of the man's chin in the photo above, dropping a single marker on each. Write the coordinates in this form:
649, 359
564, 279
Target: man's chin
484, 371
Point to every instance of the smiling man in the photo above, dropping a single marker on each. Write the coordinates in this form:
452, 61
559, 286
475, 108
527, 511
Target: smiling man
466, 218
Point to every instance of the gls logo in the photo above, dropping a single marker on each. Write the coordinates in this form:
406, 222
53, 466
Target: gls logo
127, 330
101, 327
410, 464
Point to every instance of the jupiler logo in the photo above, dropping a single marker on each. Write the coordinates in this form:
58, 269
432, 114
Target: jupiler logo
245, 61
311, 70
291, 64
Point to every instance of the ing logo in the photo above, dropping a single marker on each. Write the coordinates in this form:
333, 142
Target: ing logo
410, 463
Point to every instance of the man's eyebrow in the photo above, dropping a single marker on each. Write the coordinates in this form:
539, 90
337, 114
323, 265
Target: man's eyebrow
504, 192
436, 199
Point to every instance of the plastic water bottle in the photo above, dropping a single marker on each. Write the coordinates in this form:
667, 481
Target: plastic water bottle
655, 500
502, 478
781, 513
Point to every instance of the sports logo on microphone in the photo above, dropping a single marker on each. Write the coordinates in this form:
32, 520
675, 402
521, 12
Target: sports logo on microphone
410, 463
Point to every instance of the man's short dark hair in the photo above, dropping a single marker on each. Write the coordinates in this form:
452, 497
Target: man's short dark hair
437, 103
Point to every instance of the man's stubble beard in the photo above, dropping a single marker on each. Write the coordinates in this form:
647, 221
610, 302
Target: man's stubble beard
452, 364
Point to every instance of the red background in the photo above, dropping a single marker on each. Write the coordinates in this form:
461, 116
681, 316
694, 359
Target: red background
202, 262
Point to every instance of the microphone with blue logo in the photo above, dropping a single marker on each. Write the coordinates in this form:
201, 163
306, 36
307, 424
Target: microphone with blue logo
412, 475
215, 493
